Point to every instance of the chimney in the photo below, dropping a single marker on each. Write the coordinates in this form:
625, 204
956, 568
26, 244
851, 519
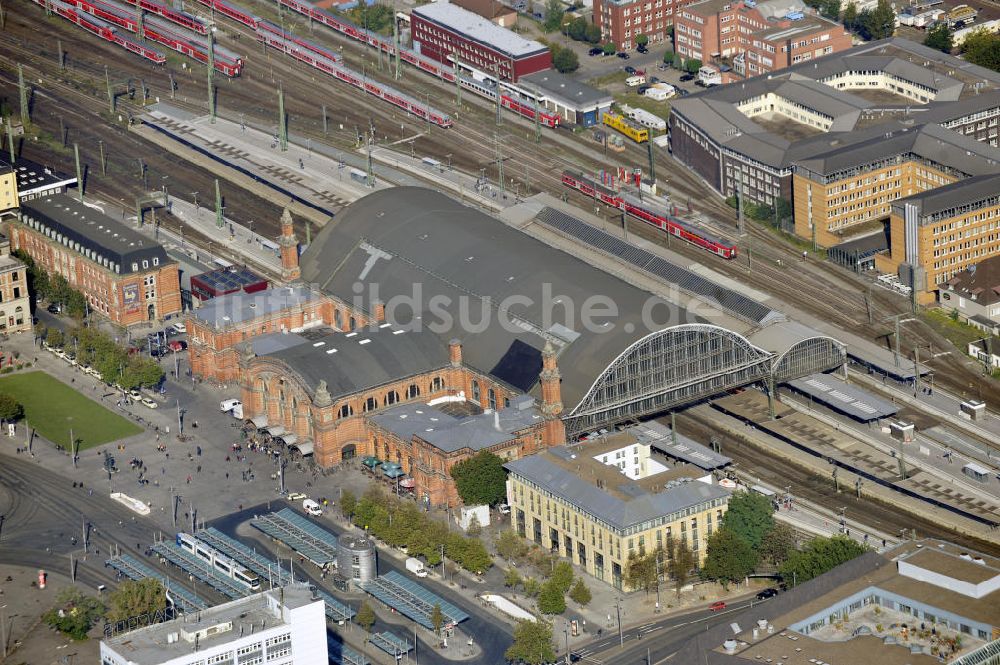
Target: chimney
455, 352
289, 249
550, 379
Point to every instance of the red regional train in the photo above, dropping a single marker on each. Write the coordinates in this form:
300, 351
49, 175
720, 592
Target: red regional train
660, 219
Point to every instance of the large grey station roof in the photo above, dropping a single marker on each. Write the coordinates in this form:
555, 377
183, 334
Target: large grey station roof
410, 241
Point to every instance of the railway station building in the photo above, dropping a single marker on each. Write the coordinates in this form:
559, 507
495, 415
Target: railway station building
444, 31
123, 274
442, 315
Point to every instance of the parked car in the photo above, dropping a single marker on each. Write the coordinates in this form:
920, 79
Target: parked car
653, 79
682, 92
642, 49
297, 496
180, 327
149, 403
177, 345
643, 88
717, 606
623, 55
767, 593
687, 77
53, 308
597, 50
629, 69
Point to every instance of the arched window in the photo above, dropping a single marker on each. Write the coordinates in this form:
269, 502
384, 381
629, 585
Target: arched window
346, 411
351, 324
412, 391
492, 397
437, 384
475, 391
338, 320
18, 309
391, 397
370, 404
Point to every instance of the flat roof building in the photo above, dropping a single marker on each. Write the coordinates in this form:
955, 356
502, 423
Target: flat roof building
622, 503
123, 274
222, 281
284, 626
444, 31
574, 100
926, 601
35, 181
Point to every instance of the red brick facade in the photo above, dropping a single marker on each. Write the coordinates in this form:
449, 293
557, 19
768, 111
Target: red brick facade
755, 44
340, 428
438, 42
621, 21
155, 293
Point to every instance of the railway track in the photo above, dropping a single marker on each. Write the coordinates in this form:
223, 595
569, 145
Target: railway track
820, 490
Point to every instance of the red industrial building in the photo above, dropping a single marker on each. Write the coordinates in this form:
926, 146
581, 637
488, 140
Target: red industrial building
230, 279
622, 21
441, 29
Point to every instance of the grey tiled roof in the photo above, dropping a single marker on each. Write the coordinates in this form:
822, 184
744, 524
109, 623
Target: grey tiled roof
981, 190
619, 513
234, 308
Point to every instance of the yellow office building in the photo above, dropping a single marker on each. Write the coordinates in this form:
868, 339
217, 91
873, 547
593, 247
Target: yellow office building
596, 503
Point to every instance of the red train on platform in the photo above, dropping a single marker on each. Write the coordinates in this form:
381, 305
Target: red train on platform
327, 62
650, 214
177, 16
230, 10
102, 29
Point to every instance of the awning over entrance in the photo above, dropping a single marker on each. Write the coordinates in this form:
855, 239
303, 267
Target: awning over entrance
392, 470
289, 439
305, 448
259, 421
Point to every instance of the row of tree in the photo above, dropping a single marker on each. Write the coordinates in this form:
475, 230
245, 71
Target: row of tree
91, 347
76, 613
402, 524
749, 537
53, 288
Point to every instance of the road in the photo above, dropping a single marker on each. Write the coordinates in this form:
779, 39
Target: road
653, 642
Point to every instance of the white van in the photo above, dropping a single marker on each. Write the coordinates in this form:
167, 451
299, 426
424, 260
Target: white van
633, 81
312, 508
233, 405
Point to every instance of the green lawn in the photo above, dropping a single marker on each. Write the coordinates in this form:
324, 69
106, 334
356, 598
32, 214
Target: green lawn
53, 408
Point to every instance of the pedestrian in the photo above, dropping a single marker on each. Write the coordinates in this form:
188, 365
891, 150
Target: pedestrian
227, 475
189, 480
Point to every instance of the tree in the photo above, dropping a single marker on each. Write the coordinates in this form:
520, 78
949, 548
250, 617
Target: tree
593, 33
577, 29
511, 578
532, 644
850, 18
365, 616
10, 409
481, 479
437, 618
877, 23
939, 37
532, 587
678, 61
830, 9
554, 15
982, 48
640, 571
641, 40
55, 338
668, 57
819, 556
135, 598
347, 504
75, 613
609, 48
580, 593
510, 545
777, 544
729, 559
692, 65
749, 516
551, 599
681, 564
563, 59
562, 575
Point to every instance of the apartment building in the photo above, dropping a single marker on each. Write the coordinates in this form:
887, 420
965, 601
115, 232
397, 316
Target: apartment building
598, 503
755, 38
622, 21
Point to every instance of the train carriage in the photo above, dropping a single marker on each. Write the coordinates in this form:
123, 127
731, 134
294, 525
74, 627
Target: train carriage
652, 215
219, 561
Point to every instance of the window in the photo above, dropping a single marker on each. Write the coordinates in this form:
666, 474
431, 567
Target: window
492, 397
437, 384
370, 404
475, 391
391, 397
412, 391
